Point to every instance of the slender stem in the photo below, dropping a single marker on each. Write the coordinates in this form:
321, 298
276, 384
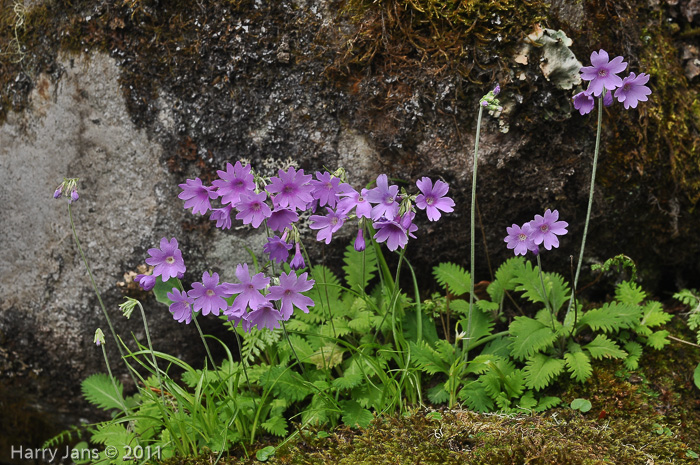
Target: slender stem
544, 292
683, 341
114, 383
97, 293
243, 363
153, 355
472, 226
590, 197
291, 346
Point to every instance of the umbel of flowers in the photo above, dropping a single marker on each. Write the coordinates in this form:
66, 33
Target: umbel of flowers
276, 204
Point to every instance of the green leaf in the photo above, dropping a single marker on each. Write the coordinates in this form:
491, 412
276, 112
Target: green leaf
654, 315
161, 289
658, 340
428, 359
99, 390
529, 336
265, 453
354, 414
602, 347
579, 365
348, 381
541, 370
546, 403
276, 425
634, 350
326, 290
360, 267
437, 394
453, 278
612, 317
629, 293
476, 398
113, 434
696, 376
528, 281
284, 383
327, 356
582, 405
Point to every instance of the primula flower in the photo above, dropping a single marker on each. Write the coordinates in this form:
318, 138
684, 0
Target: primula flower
197, 195
209, 294
603, 73
584, 102
58, 192
292, 188
385, 198
282, 218
265, 316
432, 198
297, 262
519, 238
545, 229
633, 90
145, 281
181, 308
395, 232
222, 216
327, 225
167, 260
233, 182
353, 199
325, 189
360, 241
74, 195
248, 290
289, 293
277, 249
252, 209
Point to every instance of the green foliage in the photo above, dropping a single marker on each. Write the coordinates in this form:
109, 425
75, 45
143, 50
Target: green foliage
582, 405
622, 262
100, 391
453, 278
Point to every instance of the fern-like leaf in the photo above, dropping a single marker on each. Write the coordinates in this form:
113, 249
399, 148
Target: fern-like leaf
612, 317
658, 340
276, 425
579, 365
428, 359
545, 403
528, 281
113, 434
99, 390
284, 383
541, 370
360, 267
629, 293
654, 315
354, 414
438, 395
634, 350
529, 336
452, 278
602, 347
476, 398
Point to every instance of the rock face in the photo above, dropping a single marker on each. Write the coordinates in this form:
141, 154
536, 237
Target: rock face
140, 112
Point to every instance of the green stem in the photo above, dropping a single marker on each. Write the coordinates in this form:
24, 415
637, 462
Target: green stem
472, 226
114, 383
289, 341
153, 355
97, 293
544, 292
590, 198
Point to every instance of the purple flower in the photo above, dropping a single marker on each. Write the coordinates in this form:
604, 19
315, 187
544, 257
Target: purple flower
292, 188
181, 308
583, 102
58, 192
248, 290
545, 229
74, 195
252, 209
395, 232
360, 241
233, 182
603, 73
222, 216
325, 189
633, 90
146, 281
297, 262
289, 293
353, 199
519, 238
277, 249
281, 218
167, 260
265, 316
327, 225
432, 199
496, 90
608, 98
209, 294
197, 195
240, 318
385, 198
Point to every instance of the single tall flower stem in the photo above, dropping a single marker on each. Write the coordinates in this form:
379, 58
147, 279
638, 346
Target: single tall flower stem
243, 362
153, 355
291, 346
114, 383
97, 293
472, 226
590, 199
544, 292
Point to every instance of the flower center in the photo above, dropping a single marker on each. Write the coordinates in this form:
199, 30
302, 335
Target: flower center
522, 237
328, 186
544, 228
238, 183
334, 221
360, 199
389, 199
626, 87
255, 206
250, 287
288, 292
430, 200
603, 72
288, 189
210, 292
170, 260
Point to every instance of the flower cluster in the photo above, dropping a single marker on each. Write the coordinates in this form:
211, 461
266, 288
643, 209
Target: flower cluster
253, 301
68, 185
278, 201
604, 79
543, 230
